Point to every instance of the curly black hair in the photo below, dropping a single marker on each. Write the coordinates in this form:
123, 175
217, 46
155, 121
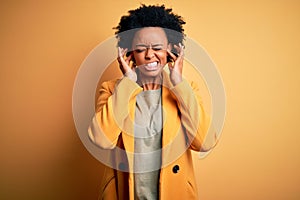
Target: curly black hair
150, 16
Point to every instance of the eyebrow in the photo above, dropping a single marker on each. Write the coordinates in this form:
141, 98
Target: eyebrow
143, 45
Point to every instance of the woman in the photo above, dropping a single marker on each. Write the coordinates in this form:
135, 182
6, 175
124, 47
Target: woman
151, 119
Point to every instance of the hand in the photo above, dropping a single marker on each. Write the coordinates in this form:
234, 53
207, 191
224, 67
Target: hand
124, 64
176, 67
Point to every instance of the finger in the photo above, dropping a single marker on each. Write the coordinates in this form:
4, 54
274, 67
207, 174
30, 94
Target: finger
124, 52
173, 57
121, 52
122, 63
171, 54
170, 67
120, 55
180, 49
128, 59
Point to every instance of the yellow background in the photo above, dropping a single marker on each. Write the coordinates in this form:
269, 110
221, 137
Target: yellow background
255, 45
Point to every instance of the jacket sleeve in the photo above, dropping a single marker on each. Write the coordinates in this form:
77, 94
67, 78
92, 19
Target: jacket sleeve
112, 109
200, 136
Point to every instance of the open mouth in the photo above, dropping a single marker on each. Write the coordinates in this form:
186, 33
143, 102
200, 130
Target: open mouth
151, 66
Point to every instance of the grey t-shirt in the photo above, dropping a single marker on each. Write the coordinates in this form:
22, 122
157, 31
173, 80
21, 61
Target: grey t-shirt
148, 130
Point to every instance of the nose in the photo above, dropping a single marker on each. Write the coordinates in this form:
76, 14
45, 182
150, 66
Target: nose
149, 53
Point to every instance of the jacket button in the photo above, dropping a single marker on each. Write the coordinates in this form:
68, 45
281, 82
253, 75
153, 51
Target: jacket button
122, 166
175, 169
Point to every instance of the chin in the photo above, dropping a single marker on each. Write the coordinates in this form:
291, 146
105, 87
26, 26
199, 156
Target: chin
152, 74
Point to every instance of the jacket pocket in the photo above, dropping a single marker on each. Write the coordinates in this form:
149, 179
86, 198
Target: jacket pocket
192, 190
109, 191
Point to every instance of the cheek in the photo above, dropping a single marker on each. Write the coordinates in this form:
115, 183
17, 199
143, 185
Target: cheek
138, 58
162, 56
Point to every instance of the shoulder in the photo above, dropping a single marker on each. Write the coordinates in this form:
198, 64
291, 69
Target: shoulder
109, 85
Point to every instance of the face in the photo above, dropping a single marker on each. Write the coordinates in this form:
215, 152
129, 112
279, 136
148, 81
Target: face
149, 50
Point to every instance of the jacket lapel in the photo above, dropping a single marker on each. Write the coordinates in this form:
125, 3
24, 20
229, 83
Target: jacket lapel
171, 121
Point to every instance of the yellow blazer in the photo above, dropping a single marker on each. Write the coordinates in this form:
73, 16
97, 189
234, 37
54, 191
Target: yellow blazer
185, 126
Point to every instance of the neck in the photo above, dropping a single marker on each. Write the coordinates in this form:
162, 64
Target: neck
151, 86
151, 83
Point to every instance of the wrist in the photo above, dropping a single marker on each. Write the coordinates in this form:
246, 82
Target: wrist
131, 75
176, 80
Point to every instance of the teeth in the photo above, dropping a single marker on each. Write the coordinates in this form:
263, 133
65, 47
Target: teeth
153, 64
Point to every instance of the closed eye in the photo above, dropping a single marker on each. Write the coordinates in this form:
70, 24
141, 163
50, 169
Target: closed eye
139, 50
142, 47
157, 48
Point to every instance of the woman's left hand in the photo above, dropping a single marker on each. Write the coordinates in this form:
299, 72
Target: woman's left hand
176, 66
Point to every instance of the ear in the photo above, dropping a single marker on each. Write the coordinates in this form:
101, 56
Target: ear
133, 59
131, 53
169, 58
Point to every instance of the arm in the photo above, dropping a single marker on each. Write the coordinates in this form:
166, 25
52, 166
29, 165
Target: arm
112, 109
193, 117
113, 105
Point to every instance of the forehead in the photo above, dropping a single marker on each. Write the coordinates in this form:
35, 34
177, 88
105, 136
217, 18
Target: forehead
150, 35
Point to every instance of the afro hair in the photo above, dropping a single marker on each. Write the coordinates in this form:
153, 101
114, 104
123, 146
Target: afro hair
150, 16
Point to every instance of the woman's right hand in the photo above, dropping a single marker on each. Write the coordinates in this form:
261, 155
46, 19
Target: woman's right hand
124, 64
